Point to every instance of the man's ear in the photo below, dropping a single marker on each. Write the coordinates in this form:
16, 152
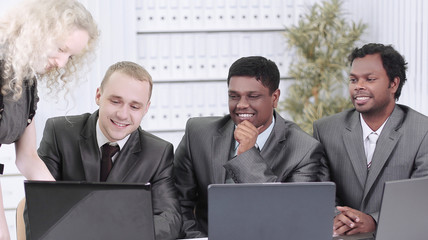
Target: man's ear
98, 96
394, 85
275, 97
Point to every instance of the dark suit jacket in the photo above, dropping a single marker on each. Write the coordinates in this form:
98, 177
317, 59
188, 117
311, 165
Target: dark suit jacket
401, 153
69, 148
203, 156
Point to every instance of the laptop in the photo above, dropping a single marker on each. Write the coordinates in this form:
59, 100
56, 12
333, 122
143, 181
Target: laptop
87, 211
298, 211
404, 210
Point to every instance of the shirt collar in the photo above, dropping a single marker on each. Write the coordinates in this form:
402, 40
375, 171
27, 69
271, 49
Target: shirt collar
262, 137
101, 139
367, 130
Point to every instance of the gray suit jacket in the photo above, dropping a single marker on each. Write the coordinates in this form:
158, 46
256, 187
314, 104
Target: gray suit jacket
401, 153
69, 148
203, 156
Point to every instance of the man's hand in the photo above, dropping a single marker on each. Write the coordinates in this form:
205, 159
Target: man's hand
351, 221
246, 135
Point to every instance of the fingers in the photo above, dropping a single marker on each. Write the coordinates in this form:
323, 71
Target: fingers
246, 135
342, 224
366, 224
341, 230
351, 221
354, 231
353, 215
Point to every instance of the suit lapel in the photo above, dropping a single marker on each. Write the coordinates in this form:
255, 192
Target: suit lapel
126, 160
388, 139
272, 147
89, 151
220, 151
353, 140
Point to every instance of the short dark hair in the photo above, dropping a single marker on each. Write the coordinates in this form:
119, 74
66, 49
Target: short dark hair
393, 62
264, 70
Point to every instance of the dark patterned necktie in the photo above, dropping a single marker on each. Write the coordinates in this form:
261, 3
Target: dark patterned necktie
107, 152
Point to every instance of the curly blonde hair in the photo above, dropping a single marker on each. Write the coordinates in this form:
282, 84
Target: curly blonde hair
31, 31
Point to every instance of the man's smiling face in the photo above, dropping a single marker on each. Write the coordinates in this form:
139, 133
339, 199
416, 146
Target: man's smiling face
250, 100
122, 102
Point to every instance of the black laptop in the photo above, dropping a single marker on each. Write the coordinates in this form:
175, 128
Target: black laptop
88, 211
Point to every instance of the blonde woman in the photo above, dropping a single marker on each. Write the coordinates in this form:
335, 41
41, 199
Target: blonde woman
41, 42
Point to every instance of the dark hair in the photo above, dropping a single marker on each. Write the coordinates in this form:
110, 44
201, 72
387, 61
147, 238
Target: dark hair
264, 70
393, 62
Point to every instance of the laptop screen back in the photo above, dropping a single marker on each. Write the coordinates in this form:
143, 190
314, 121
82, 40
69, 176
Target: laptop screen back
298, 211
81, 210
404, 210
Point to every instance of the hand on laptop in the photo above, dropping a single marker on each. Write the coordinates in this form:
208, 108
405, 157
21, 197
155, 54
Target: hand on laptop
350, 221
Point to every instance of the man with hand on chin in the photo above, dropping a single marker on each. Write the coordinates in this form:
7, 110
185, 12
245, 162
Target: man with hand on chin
252, 144
375, 142
73, 146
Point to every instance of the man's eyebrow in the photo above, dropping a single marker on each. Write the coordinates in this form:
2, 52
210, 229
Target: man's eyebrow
364, 74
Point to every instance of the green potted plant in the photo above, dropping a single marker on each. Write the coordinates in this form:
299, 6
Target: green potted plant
321, 41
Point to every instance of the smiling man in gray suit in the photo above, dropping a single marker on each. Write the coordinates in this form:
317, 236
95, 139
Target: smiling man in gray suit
72, 146
252, 144
357, 162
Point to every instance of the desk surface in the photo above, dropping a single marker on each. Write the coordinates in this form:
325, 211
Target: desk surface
353, 237
362, 236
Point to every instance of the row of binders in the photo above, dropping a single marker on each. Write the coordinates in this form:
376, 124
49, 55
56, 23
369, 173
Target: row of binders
197, 15
173, 103
207, 56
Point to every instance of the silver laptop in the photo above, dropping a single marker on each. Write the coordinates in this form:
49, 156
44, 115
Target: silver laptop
404, 210
298, 211
87, 211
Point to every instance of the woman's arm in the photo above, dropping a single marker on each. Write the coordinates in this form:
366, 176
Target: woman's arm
27, 160
4, 230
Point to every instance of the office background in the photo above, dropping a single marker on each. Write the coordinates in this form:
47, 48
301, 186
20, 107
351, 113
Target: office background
188, 46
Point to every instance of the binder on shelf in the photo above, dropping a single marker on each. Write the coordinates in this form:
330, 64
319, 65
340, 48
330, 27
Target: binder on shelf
231, 14
162, 20
189, 53
164, 57
186, 20
234, 45
163, 112
245, 45
278, 10
177, 54
212, 54
201, 55
242, 16
149, 120
253, 17
224, 49
219, 17
147, 17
